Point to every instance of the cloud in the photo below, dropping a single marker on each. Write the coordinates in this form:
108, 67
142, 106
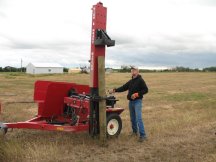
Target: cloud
2, 14
163, 59
150, 33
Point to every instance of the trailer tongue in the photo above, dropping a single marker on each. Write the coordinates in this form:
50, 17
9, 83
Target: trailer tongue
72, 107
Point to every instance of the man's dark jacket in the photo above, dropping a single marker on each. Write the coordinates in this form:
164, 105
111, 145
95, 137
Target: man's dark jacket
135, 85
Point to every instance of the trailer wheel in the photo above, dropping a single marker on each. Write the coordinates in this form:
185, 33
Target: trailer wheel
114, 125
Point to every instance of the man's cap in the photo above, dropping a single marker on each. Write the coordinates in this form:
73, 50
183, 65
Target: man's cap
134, 67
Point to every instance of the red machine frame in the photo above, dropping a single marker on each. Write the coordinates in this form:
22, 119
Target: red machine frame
52, 97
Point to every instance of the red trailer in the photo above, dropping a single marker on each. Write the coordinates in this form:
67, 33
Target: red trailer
72, 107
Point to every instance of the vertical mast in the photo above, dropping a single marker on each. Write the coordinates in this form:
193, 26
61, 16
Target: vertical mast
99, 39
98, 22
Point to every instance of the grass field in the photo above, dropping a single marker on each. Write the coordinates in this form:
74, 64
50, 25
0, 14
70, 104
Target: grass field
179, 114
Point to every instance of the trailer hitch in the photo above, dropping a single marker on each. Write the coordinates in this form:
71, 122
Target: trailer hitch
3, 128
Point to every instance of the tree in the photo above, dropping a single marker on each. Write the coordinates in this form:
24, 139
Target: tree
65, 70
210, 69
125, 68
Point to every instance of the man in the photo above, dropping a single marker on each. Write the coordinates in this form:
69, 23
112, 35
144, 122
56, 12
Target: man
136, 89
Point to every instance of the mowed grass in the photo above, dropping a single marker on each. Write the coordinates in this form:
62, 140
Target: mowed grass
179, 114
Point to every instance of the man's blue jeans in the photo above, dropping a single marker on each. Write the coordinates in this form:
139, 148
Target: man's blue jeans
135, 108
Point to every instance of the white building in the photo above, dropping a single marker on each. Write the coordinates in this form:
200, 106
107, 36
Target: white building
43, 68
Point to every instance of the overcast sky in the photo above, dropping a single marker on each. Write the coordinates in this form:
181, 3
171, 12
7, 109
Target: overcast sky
148, 33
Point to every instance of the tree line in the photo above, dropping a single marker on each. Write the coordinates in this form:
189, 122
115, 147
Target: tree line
175, 69
23, 69
124, 69
12, 69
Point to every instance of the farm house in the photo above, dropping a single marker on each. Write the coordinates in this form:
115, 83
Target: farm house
44, 68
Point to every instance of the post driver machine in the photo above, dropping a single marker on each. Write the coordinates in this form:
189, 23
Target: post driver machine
71, 107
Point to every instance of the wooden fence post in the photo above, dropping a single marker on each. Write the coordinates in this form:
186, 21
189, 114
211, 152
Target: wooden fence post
102, 93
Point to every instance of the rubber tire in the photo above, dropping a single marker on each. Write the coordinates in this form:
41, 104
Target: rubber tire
118, 118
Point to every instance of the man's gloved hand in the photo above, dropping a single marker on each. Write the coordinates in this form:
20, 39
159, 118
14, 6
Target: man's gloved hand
135, 95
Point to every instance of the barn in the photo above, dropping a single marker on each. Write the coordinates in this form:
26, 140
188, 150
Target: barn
44, 68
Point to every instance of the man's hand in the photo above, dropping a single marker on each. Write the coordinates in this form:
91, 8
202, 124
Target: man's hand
135, 95
111, 91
